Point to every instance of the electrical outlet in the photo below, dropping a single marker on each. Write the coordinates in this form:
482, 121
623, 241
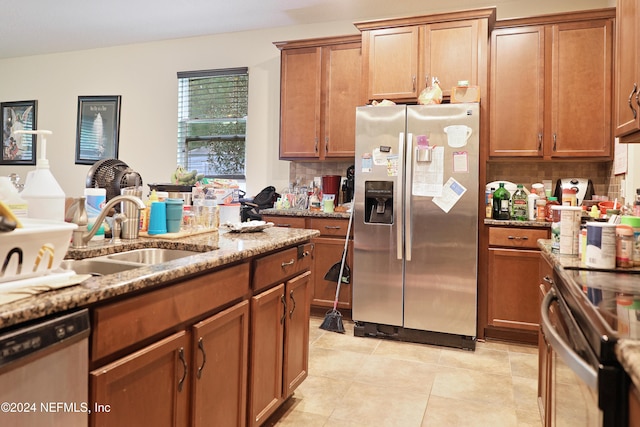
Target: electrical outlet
623, 188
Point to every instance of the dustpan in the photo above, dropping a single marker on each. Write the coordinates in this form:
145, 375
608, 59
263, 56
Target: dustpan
334, 272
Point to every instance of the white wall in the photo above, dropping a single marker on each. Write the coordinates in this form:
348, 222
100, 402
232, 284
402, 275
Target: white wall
145, 76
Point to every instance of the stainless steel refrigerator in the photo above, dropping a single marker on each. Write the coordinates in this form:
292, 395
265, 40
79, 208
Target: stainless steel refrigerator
416, 223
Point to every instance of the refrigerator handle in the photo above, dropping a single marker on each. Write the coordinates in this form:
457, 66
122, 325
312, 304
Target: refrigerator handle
408, 183
398, 197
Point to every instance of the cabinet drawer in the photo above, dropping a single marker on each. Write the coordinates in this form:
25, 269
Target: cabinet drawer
516, 237
330, 227
285, 221
276, 268
122, 324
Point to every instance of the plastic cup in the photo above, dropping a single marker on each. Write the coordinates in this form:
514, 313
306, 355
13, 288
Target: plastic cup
174, 215
158, 218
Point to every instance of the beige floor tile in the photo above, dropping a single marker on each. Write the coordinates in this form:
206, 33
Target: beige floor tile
523, 348
483, 359
525, 393
466, 384
371, 405
408, 351
415, 377
524, 365
528, 418
333, 363
494, 345
333, 340
442, 411
319, 395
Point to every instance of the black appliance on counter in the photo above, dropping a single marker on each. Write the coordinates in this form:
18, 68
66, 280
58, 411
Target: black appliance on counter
582, 186
348, 185
580, 325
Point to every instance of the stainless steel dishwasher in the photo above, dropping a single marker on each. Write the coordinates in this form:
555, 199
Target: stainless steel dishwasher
44, 373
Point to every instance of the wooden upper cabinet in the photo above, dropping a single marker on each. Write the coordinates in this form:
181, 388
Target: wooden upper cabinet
402, 56
517, 91
320, 87
627, 81
581, 84
391, 62
551, 83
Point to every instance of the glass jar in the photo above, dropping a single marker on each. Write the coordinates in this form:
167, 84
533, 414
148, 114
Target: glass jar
624, 246
548, 213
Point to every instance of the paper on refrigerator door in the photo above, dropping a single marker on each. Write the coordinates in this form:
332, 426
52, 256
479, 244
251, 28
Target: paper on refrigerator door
451, 193
429, 176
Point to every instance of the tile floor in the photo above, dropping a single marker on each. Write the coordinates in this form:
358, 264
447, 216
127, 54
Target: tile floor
368, 382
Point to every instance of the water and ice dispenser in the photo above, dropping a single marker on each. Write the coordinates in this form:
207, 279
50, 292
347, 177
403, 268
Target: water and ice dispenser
378, 202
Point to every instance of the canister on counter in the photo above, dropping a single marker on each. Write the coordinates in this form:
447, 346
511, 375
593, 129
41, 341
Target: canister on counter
565, 229
633, 222
601, 245
624, 246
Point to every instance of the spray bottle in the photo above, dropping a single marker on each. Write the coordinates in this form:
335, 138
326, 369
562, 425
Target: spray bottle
41, 191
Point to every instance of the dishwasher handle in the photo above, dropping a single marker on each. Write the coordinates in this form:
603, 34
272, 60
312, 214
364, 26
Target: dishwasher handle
578, 365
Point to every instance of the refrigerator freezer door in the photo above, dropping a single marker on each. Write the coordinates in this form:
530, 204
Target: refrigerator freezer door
441, 266
377, 287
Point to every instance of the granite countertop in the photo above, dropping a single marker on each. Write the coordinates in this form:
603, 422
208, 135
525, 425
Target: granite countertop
218, 249
514, 223
304, 213
623, 280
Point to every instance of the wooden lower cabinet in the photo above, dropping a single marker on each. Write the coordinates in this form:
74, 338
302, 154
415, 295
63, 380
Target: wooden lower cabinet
279, 345
205, 367
512, 287
328, 252
545, 275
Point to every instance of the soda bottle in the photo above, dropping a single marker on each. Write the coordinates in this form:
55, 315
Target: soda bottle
500, 200
519, 205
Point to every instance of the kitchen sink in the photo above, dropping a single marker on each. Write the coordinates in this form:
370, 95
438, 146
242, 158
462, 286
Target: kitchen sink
150, 255
96, 267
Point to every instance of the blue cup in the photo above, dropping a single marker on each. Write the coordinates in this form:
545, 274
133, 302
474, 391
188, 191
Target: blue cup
174, 215
158, 218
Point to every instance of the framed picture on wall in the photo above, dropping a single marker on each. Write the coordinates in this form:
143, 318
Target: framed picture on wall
18, 149
98, 128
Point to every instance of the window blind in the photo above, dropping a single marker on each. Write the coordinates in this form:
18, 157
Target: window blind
212, 121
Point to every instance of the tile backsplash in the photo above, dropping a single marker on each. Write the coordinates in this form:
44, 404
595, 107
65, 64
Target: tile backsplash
304, 172
527, 173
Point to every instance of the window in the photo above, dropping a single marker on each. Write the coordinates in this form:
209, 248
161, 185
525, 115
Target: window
212, 121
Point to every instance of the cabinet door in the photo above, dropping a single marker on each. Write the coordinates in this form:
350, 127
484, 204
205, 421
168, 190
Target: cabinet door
513, 288
627, 83
300, 102
342, 70
268, 313
544, 349
517, 92
296, 341
451, 54
148, 387
220, 355
390, 59
328, 251
581, 86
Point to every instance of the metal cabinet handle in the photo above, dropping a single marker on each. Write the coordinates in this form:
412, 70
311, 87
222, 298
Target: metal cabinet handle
332, 227
316, 145
555, 141
518, 237
548, 279
184, 368
283, 225
635, 90
286, 264
413, 83
204, 357
539, 142
637, 101
284, 309
294, 304
326, 144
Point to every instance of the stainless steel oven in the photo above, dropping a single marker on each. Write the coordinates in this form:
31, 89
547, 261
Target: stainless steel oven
588, 386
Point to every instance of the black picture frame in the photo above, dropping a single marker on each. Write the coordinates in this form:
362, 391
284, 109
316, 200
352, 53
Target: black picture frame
98, 128
18, 149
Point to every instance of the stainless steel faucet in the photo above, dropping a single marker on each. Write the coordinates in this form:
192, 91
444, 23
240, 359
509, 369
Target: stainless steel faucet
82, 234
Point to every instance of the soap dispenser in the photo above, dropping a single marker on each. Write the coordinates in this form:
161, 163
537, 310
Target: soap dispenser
44, 196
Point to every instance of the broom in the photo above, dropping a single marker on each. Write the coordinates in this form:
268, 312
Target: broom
333, 319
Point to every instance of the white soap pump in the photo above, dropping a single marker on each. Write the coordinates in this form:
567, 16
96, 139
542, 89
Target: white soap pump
45, 197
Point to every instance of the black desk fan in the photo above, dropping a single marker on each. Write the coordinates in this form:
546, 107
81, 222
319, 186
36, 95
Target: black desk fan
113, 175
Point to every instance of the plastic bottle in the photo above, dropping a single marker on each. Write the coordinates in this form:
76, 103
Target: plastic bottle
501, 198
488, 199
9, 195
569, 197
636, 204
95, 199
519, 210
541, 205
43, 194
548, 213
532, 198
